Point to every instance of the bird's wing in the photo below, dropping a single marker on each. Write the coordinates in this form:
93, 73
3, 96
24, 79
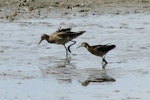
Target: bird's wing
65, 34
69, 35
63, 30
100, 48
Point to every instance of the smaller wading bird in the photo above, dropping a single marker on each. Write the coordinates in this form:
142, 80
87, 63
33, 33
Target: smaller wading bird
98, 50
62, 36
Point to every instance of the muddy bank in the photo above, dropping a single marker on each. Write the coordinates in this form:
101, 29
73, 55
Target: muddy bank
14, 9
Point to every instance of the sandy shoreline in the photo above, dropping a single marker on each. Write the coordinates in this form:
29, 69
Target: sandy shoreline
14, 9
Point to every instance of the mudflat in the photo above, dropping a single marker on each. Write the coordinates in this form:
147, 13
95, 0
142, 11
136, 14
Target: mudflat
12, 9
32, 72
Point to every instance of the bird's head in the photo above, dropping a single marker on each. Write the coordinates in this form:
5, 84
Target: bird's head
43, 37
83, 44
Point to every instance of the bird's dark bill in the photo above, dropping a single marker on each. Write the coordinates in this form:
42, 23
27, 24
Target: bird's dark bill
79, 47
40, 41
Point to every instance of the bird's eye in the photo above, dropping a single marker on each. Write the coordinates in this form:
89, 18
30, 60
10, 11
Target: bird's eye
42, 37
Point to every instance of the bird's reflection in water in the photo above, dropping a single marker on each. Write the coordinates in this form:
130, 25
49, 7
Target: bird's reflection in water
63, 70
97, 76
65, 61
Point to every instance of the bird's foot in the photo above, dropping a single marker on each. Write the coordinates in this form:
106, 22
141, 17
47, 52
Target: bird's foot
104, 63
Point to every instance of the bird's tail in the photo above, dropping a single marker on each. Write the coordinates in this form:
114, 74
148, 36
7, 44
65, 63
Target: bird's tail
75, 34
81, 32
111, 47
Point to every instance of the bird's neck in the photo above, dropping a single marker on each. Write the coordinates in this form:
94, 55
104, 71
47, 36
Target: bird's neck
50, 39
47, 38
87, 46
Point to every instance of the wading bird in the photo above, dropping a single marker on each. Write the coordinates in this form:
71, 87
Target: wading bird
98, 50
62, 36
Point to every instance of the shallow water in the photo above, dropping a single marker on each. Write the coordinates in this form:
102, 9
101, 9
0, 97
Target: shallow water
31, 72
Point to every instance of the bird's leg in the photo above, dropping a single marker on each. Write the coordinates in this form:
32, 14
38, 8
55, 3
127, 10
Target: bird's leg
103, 60
74, 42
102, 64
66, 51
68, 60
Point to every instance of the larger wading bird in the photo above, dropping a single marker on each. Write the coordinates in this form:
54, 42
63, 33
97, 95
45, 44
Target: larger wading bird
62, 36
98, 50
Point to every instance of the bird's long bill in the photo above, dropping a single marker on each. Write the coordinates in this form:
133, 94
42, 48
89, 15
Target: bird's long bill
40, 42
79, 47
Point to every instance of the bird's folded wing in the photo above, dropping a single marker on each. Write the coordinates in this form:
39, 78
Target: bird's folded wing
100, 48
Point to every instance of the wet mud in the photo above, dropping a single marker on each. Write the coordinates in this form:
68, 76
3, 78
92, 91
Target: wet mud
32, 72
